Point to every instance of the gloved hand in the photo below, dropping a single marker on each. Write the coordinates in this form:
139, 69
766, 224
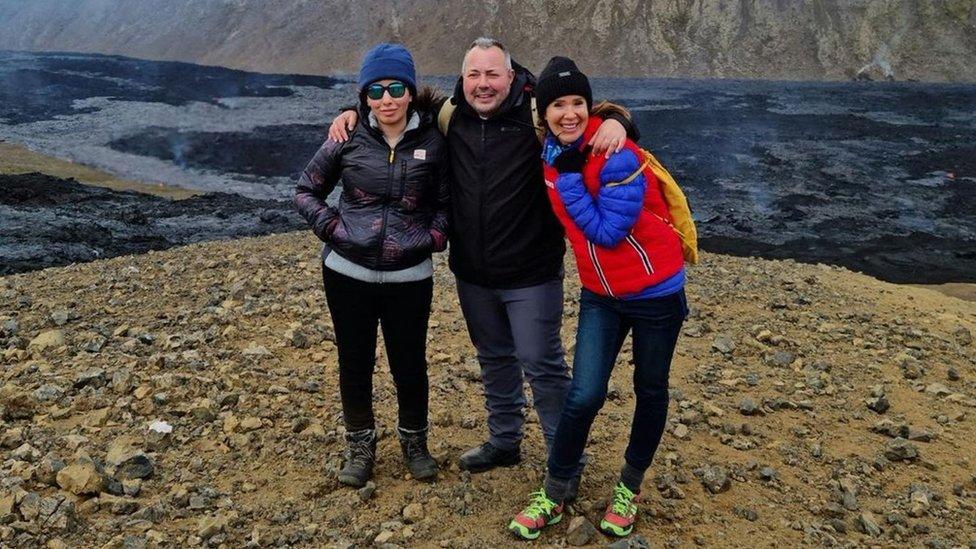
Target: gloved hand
571, 160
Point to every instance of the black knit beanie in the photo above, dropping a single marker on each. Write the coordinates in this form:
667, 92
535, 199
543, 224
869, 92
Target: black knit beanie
561, 77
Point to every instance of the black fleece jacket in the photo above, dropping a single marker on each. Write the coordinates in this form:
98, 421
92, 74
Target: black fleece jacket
503, 233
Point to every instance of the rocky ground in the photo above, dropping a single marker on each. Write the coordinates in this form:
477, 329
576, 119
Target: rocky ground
189, 398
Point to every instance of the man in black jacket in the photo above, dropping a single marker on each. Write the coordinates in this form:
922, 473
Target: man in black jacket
506, 246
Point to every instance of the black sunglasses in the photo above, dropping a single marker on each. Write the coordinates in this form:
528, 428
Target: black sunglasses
396, 89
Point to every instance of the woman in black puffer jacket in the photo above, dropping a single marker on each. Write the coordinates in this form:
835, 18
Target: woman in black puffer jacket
379, 236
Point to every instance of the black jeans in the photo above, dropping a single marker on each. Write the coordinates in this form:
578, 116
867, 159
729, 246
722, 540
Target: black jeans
402, 309
603, 324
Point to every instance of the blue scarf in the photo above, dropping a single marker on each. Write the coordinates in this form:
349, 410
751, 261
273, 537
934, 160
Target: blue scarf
553, 148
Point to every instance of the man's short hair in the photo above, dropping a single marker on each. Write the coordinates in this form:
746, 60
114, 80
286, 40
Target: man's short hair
485, 43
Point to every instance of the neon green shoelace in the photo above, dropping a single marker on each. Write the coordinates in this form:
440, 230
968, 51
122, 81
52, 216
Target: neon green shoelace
540, 505
623, 500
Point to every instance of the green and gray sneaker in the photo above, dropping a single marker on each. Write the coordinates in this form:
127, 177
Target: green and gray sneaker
540, 512
619, 518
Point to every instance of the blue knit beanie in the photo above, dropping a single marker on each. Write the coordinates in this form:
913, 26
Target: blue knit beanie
391, 61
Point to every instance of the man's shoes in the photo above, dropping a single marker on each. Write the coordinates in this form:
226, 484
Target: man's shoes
360, 458
540, 512
485, 457
621, 513
414, 445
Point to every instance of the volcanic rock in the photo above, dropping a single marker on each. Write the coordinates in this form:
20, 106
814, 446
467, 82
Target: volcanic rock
900, 449
580, 532
714, 478
81, 479
51, 339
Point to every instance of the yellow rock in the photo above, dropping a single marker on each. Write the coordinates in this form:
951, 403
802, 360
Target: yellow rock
51, 339
81, 479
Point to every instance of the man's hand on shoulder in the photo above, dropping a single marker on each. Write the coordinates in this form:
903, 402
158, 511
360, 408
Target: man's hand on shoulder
609, 138
342, 125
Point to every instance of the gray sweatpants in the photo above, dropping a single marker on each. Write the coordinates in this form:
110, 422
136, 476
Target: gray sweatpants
516, 332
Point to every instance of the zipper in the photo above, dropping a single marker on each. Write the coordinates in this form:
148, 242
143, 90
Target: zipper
641, 254
386, 204
599, 270
481, 197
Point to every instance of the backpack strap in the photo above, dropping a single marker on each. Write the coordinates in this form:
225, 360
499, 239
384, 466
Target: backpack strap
445, 115
633, 176
536, 121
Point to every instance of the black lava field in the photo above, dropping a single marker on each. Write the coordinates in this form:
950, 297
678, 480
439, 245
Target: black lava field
878, 177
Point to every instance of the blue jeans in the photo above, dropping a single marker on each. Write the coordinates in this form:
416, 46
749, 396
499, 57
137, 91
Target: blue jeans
603, 324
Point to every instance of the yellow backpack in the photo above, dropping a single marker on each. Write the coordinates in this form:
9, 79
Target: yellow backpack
674, 197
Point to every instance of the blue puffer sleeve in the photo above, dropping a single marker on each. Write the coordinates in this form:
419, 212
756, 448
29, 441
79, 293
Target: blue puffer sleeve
607, 218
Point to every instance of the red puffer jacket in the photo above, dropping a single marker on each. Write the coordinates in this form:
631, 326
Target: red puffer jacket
631, 247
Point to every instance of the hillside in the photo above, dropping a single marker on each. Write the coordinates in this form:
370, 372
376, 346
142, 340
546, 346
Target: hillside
809, 404
932, 40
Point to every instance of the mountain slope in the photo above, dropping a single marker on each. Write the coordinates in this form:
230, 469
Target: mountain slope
816, 39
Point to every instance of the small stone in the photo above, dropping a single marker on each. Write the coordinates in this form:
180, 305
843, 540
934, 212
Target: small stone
47, 470
580, 532
748, 407
963, 336
952, 374
767, 473
211, 526
256, 351
250, 424
413, 512
723, 343
63, 316
15, 404
96, 377
297, 338
9, 327
48, 393
383, 537
26, 452
138, 466
781, 359
749, 514
878, 404
869, 524
681, 431
714, 478
938, 390
81, 479
912, 370
634, 542
900, 449
919, 503
51, 339
366, 492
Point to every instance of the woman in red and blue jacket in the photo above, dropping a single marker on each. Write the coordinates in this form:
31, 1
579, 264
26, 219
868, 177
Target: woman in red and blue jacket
632, 271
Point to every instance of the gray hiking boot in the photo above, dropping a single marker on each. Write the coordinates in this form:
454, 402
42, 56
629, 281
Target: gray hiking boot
414, 445
360, 457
